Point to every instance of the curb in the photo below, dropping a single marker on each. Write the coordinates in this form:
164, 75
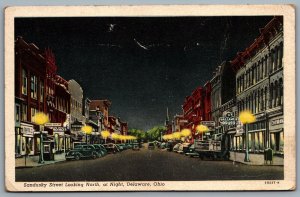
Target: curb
249, 164
21, 167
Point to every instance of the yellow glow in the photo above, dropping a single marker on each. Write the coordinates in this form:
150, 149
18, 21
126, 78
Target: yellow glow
115, 136
105, 134
202, 128
40, 118
87, 129
247, 117
185, 132
176, 135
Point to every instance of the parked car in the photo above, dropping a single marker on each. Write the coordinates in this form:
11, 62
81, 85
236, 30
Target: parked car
101, 149
111, 148
129, 146
180, 149
136, 146
163, 145
191, 152
82, 151
186, 147
120, 147
176, 147
151, 146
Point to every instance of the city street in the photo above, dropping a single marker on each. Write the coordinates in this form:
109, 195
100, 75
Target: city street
147, 165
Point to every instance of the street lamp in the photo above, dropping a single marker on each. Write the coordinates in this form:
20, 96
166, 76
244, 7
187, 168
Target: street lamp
41, 119
105, 135
202, 129
247, 117
185, 133
87, 130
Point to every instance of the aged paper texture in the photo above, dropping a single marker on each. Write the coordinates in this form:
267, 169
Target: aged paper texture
150, 98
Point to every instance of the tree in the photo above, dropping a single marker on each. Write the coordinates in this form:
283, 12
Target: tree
138, 133
156, 133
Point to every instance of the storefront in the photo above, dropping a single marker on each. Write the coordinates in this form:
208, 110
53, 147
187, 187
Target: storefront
276, 134
25, 140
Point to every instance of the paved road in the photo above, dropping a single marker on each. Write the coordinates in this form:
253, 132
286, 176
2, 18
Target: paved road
147, 165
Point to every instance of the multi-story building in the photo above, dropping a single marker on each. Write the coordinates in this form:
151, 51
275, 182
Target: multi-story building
259, 82
222, 91
61, 116
124, 128
178, 123
193, 111
112, 124
30, 94
38, 89
76, 117
103, 107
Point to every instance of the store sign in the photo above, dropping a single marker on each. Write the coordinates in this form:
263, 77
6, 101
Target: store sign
239, 127
228, 119
27, 130
58, 129
277, 121
210, 124
53, 124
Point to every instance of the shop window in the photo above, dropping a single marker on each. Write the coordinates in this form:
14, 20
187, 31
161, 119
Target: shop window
17, 113
281, 142
33, 87
33, 112
24, 112
42, 91
24, 81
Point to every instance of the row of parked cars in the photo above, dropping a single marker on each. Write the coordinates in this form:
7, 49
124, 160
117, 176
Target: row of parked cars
182, 148
94, 151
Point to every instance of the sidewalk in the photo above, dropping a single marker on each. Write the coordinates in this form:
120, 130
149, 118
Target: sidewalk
255, 159
32, 161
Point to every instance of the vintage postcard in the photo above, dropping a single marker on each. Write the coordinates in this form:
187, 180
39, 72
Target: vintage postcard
150, 98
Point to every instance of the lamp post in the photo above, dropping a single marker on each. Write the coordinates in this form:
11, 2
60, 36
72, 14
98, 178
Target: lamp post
41, 119
247, 117
87, 130
202, 129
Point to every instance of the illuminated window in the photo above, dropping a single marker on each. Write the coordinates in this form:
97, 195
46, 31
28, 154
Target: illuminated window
24, 82
24, 112
33, 87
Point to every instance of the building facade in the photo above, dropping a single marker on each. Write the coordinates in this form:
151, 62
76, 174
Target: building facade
259, 82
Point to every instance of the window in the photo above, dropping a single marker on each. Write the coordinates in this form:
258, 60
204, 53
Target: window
41, 91
24, 82
24, 112
33, 112
17, 113
33, 87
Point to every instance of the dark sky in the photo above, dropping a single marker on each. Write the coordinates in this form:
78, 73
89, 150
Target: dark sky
143, 65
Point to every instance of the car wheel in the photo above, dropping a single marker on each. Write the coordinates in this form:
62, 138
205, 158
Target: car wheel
94, 156
77, 157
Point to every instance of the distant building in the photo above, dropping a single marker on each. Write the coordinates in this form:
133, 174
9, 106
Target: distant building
103, 107
76, 117
222, 91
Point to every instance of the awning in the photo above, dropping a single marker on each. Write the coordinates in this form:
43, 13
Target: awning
276, 130
231, 132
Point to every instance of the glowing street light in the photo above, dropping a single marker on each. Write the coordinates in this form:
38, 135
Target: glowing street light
87, 130
105, 135
202, 129
246, 117
41, 119
185, 133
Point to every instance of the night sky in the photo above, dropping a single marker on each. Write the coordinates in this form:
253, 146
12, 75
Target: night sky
143, 65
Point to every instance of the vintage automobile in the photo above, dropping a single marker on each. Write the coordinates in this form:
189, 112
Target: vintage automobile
100, 149
82, 151
151, 146
191, 151
111, 148
135, 146
176, 147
